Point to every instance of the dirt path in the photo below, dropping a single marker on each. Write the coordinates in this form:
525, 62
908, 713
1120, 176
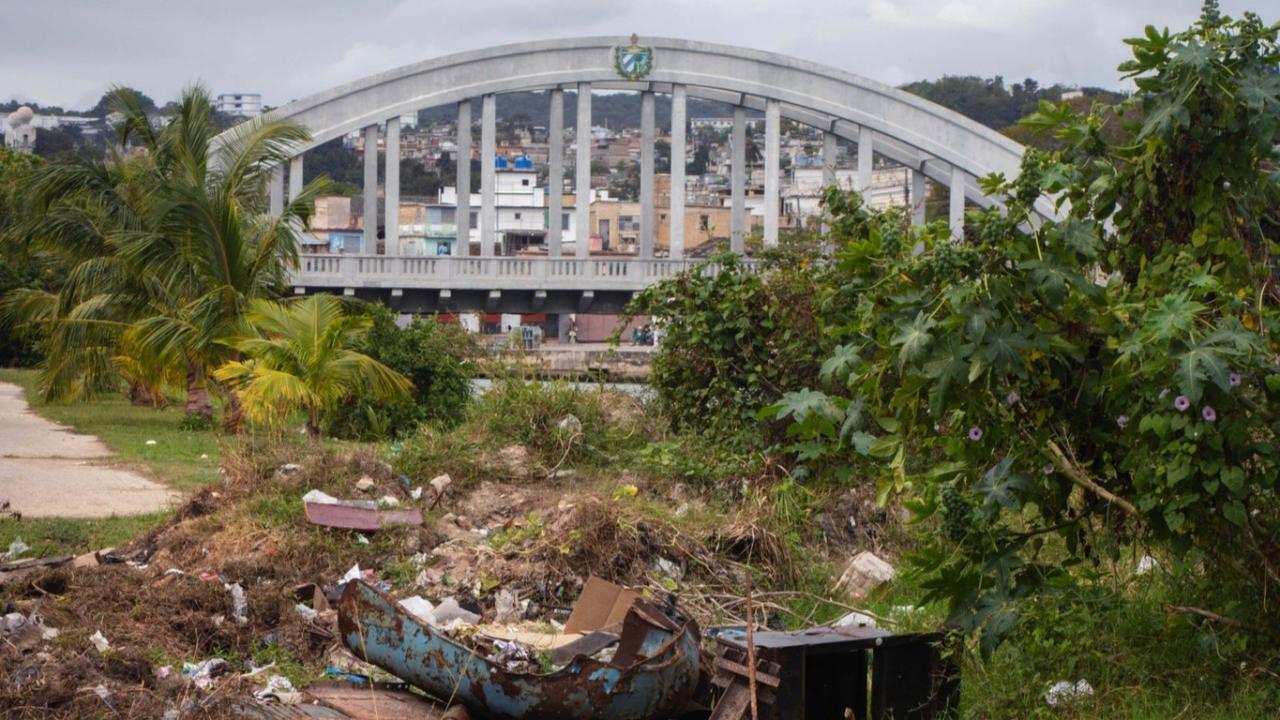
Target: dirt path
47, 470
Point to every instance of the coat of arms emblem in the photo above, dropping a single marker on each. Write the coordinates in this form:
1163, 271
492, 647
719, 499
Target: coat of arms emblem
632, 61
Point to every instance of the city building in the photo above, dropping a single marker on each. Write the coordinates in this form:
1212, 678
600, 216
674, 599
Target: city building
240, 104
19, 133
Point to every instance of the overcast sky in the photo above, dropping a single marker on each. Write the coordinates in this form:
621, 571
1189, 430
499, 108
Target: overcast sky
68, 52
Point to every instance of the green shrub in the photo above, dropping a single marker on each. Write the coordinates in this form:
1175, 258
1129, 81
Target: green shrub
1055, 391
738, 339
435, 356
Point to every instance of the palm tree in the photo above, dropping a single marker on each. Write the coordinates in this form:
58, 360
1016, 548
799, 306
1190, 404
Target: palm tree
302, 362
169, 244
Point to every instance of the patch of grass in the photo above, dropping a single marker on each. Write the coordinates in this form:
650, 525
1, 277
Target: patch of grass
184, 459
56, 536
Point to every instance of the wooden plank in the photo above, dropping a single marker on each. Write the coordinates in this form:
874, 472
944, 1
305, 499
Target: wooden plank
363, 519
365, 703
743, 671
734, 704
17, 565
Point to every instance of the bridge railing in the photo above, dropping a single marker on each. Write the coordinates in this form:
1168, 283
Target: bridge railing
440, 272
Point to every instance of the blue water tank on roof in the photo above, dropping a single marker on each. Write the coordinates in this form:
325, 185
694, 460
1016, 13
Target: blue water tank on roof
524, 163
501, 163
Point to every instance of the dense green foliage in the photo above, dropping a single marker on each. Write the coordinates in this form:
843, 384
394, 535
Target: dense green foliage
734, 339
19, 268
1055, 396
167, 241
302, 360
990, 101
436, 357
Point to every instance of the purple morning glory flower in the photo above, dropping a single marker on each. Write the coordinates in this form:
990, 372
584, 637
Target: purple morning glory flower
1012, 398
1208, 413
1235, 379
975, 433
1181, 403
1122, 421
1164, 393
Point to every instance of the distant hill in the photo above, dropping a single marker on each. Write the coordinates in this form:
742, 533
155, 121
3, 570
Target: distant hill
991, 102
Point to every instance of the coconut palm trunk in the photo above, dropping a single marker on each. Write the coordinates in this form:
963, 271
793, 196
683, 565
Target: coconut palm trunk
198, 403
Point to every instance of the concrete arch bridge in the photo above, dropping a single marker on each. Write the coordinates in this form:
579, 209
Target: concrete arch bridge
930, 141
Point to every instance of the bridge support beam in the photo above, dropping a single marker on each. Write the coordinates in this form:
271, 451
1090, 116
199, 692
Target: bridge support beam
371, 190
275, 191
646, 174
492, 301
830, 154
866, 159
582, 175
488, 174
919, 194
462, 212
772, 166
539, 300
738, 182
679, 142
555, 173
391, 193
295, 178
956, 214
443, 301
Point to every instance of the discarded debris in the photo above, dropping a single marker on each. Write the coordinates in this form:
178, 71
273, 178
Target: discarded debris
652, 674
100, 642
16, 548
506, 609
1146, 564
349, 517
239, 606
365, 484
865, 573
279, 689
1064, 691
855, 619
203, 673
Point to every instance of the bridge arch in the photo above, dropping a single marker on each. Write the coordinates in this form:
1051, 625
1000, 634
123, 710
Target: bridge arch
932, 141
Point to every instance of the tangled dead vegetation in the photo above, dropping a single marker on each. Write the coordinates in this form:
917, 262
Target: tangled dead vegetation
167, 600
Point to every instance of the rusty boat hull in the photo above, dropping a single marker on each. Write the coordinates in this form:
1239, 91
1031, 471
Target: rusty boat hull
653, 674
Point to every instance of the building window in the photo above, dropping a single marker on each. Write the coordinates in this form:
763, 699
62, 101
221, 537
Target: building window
564, 221
517, 216
704, 222
475, 219
525, 182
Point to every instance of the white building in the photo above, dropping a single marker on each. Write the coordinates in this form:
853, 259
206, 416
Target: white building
521, 208
803, 194
241, 104
19, 132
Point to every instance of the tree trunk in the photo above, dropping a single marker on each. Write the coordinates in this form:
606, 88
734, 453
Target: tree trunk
140, 394
232, 411
198, 393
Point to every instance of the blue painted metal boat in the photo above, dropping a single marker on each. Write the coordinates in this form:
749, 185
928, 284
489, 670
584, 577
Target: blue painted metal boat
652, 675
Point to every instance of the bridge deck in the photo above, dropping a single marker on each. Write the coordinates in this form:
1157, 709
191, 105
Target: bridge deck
490, 273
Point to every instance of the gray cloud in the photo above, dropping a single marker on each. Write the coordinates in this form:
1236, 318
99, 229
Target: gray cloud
67, 52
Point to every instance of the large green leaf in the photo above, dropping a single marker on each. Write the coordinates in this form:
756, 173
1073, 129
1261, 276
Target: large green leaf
913, 338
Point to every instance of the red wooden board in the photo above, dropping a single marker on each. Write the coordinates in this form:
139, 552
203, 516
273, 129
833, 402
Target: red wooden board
362, 519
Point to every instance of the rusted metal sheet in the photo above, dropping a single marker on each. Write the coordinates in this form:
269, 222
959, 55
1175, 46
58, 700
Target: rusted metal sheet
656, 683
357, 518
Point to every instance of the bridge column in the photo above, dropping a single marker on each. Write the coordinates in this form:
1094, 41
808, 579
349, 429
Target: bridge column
830, 152
738, 182
391, 178
646, 174
371, 189
866, 156
295, 177
679, 95
919, 193
582, 175
956, 214
275, 191
488, 174
462, 210
772, 165
555, 174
